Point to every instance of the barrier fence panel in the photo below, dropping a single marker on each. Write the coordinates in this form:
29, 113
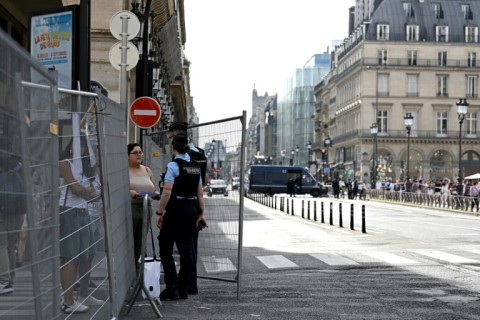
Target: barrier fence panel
111, 129
29, 189
219, 245
46, 132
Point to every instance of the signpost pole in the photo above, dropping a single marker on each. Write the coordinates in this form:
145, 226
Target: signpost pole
123, 67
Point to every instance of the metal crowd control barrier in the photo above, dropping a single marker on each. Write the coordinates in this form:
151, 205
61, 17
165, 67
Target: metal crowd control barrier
139, 282
220, 245
452, 202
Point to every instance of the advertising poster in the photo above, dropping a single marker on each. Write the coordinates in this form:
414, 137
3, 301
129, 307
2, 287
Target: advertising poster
51, 43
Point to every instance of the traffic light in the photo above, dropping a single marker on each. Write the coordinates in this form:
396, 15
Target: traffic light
324, 154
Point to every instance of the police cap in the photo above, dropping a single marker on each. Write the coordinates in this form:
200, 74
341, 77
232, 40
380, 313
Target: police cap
180, 126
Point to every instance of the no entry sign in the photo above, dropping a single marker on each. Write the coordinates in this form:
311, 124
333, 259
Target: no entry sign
145, 112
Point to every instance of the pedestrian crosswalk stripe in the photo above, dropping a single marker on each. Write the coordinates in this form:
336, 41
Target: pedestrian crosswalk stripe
215, 265
276, 262
475, 251
391, 258
218, 265
333, 259
448, 257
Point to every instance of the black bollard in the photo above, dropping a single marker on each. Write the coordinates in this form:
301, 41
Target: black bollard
288, 206
275, 203
303, 208
364, 228
292, 207
351, 216
340, 215
323, 216
308, 210
315, 210
331, 214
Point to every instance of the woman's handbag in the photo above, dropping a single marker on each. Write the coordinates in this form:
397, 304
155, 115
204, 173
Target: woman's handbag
151, 273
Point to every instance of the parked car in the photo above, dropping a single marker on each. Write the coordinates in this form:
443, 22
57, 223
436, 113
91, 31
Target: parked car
217, 186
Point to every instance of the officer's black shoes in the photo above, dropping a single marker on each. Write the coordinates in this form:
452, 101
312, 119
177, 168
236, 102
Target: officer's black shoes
169, 294
192, 290
183, 294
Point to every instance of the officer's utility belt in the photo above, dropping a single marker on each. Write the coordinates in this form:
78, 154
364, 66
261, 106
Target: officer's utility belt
186, 200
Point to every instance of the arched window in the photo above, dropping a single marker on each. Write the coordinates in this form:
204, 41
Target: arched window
441, 165
470, 161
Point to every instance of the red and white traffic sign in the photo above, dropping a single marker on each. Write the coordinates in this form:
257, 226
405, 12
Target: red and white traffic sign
145, 112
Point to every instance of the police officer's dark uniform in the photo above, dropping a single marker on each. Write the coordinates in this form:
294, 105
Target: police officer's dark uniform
179, 223
197, 155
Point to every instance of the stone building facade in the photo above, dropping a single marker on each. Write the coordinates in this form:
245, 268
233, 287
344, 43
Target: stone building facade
415, 57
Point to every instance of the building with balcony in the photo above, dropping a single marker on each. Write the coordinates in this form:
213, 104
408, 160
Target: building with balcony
417, 57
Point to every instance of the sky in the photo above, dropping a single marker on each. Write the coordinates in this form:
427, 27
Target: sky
235, 46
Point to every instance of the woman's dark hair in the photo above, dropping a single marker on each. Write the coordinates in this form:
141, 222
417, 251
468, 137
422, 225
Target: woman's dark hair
180, 142
180, 147
130, 147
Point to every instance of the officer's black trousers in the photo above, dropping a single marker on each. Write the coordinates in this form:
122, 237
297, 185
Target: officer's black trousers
177, 228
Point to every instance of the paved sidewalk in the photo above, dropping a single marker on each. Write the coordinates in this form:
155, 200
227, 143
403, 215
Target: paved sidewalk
348, 293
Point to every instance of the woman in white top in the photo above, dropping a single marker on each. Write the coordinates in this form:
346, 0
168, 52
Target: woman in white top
75, 191
141, 182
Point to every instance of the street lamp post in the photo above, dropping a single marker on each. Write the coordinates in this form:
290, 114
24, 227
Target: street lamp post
296, 150
327, 143
408, 124
216, 146
310, 161
309, 147
283, 157
462, 109
374, 132
293, 156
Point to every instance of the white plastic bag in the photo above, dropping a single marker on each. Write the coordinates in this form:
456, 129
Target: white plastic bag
151, 277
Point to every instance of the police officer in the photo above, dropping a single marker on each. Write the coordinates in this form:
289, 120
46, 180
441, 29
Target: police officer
179, 211
197, 155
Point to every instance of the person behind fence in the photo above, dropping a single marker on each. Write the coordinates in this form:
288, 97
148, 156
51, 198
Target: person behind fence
95, 211
291, 187
75, 192
362, 192
474, 195
336, 188
142, 182
178, 215
12, 212
198, 156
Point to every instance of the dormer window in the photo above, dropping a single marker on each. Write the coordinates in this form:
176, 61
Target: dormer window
441, 33
467, 12
407, 6
383, 32
412, 33
438, 11
471, 34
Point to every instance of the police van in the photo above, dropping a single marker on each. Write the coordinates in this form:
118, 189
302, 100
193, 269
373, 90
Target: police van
274, 179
